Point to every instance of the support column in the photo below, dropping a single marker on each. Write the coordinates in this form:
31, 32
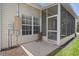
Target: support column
75, 26
46, 24
58, 24
32, 25
40, 20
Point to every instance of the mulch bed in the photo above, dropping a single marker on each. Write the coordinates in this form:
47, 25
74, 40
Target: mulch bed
18, 51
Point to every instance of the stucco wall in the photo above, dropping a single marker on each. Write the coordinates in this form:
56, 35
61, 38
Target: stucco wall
9, 11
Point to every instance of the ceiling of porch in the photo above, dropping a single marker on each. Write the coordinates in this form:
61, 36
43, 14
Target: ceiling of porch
40, 5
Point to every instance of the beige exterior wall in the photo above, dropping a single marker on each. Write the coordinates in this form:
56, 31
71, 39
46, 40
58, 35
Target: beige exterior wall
28, 11
9, 11
0, 24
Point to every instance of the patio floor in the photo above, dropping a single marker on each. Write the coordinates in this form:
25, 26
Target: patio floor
43, 48
39, 48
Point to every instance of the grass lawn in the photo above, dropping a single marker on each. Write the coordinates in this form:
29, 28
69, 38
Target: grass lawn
72, 49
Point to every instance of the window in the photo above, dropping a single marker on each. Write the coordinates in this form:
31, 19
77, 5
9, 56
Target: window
28, 23
36, 25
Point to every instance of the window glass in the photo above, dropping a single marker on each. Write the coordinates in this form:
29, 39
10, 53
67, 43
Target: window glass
36, 29
27, 25
36, 21
36, 24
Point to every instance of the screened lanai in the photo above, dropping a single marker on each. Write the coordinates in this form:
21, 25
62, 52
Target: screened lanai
67, 23
57, 23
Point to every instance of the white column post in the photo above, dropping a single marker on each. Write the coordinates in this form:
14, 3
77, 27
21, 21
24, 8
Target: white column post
58, 25
75, 25
32, 25
40, 21
46, 24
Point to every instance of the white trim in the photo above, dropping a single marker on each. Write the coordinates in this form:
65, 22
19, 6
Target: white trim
47, 17
49, 6
52, 30
21, 25
75, 25
40, 21
52, 41
48, 30
64, 40
63, 35
34, 5
58, 25
32, 25
52, 16
26, 51
46, 25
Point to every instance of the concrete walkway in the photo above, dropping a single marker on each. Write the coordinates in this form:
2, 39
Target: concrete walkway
39, 48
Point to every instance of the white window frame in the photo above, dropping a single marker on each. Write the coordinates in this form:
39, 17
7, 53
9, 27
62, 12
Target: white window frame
27, 25
32, 17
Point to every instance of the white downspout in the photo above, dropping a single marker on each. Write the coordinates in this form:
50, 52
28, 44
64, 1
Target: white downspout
58, 24
18, 9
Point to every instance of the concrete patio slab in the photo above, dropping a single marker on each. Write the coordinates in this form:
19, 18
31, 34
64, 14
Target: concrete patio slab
43, 48
39, 48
